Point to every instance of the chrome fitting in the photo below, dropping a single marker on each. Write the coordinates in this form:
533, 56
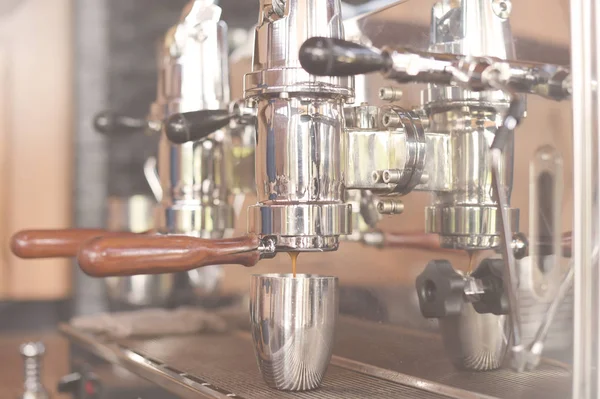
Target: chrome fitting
390, 207
467, 227
390, 94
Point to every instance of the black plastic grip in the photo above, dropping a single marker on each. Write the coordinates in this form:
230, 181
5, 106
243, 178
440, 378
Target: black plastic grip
107, 122
323, 56
192, 126
513, 117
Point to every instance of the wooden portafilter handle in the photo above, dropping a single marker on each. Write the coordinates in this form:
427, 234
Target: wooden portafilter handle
127, 256
58, 243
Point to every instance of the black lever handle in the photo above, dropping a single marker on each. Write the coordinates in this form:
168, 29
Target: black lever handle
324, 56
107, 122
192, 126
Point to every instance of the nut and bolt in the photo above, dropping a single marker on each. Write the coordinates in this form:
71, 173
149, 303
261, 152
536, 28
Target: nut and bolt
390, 94
376, 177
391, 176
390, 207
391, 120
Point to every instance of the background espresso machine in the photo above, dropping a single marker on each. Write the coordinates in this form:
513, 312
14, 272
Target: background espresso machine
432, 111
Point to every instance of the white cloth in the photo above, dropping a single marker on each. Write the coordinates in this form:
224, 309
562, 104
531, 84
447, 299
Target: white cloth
151, 322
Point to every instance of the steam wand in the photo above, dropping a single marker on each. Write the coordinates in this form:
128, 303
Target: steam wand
335, 57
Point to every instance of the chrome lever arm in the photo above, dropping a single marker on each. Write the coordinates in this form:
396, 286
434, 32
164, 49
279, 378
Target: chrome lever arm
510, 274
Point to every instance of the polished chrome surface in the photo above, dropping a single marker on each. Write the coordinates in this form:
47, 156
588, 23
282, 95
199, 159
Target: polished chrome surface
365, 217
301, 147
133, 213
136, 214
467, 226
293, 321
302, 226
33, 353
282, 28
456, 28
242, 141
300, 156
509, 275
151, 175
142, 290
199, 39
464, 213
205, 220
585, 17
195, 176
475, 341
300, 151
387, 141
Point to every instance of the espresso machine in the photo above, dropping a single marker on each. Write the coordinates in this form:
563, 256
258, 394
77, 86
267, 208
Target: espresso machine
198, 184
328, 168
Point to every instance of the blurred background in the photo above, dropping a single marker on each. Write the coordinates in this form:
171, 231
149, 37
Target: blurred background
63, 61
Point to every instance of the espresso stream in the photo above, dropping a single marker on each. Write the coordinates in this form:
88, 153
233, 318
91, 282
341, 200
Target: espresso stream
294, 257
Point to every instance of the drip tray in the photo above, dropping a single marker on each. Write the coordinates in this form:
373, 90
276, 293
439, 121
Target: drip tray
224, 366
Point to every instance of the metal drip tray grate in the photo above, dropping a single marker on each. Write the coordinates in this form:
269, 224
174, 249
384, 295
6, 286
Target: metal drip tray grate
228, 362
379, 362
421, 354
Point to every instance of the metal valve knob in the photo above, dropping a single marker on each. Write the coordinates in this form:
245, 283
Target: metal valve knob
32, 361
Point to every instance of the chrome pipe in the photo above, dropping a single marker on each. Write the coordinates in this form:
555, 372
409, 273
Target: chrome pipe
585, 15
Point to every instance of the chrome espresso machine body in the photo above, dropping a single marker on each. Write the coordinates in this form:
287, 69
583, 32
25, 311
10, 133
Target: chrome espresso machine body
330, 170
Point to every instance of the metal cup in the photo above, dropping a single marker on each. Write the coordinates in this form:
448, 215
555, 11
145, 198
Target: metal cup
293, 321
475, 341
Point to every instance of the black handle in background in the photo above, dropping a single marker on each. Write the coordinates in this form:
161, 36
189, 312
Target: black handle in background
192, 126
107, 122
324, 56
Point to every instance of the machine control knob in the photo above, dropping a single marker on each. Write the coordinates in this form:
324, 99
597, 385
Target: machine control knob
324, 56
440, 290
494, 299
197, 125
82, 385
108, 122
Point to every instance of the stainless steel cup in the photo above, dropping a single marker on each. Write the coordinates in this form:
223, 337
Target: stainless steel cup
475, 341
293, 321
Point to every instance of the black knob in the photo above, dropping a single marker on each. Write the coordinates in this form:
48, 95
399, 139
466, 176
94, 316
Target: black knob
107, 122
324, 56
82, 385
192, 126
514, 115
494, 299
440, 289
